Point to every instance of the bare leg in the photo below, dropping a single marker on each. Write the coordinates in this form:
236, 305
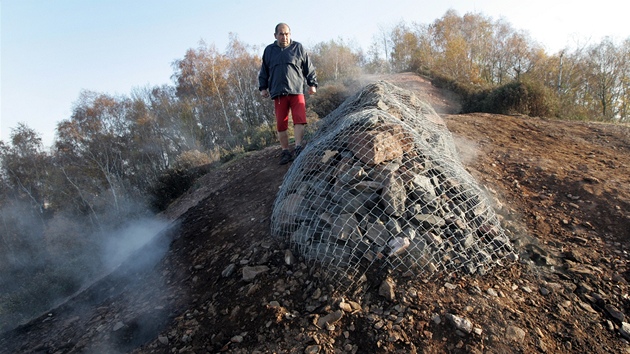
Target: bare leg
298, 131
284, 139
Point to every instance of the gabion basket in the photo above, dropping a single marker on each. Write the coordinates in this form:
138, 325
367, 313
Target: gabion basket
380, 186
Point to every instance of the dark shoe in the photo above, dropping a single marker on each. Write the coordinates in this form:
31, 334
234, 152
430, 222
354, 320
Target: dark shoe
286, 157
297, 151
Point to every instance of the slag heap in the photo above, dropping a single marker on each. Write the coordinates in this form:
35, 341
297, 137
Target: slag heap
380, 186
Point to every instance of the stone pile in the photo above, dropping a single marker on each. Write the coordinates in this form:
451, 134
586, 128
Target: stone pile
380, 186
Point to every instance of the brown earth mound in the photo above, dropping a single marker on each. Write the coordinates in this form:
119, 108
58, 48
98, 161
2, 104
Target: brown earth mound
224, 285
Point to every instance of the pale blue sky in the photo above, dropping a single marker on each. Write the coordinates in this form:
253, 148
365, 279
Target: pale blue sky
52, 49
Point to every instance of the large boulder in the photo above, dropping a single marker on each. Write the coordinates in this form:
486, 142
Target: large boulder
380, 186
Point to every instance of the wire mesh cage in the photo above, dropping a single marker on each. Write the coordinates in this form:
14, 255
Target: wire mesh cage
380, 186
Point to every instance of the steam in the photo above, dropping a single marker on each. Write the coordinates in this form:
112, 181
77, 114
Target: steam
43, 262
119, 245
468, 150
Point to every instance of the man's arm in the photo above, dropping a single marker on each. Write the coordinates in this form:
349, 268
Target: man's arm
263, 75
309, 73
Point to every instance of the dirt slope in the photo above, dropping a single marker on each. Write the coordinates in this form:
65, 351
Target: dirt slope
561, 188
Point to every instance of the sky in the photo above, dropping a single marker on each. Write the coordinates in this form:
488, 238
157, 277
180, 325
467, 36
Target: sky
52, 50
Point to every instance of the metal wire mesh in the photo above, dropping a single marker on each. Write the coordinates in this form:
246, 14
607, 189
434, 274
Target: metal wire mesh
380, 186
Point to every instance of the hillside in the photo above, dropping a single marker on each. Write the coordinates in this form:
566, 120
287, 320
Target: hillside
562, 190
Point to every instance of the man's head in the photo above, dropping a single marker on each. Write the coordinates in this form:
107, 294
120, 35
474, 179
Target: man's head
283, 35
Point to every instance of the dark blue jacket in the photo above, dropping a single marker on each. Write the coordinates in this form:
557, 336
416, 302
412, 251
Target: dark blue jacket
284, 70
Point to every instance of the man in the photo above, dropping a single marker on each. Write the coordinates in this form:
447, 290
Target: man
285, 67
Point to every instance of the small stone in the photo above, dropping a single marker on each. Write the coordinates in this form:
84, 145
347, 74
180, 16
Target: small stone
544, 291
237, 339
250, 273
450, 286
461, 323
312, 349
587, 307
289, 259
228, 270
568, 346
316, 294
387, 289
253, 289
163, 340
345, 306
615, 313
329, 319
355, 305
398, 244
492, 292
625, 330
118, 326
515, 334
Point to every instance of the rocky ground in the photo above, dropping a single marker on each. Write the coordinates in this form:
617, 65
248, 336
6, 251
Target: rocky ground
218, 282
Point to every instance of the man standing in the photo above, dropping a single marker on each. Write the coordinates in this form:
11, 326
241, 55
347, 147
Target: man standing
285, 67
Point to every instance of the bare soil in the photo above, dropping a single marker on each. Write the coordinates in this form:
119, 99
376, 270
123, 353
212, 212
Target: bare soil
561, 188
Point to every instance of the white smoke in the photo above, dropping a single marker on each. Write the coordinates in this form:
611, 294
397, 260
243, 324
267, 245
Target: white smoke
122, 243
44, 262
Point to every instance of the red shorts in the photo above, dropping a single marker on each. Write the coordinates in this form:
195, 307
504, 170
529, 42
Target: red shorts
295, 103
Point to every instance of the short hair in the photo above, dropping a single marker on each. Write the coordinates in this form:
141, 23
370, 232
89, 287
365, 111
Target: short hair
280, 25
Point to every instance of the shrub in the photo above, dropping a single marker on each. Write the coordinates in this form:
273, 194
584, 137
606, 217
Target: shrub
228, 155
517, 97
543, 102
177, 180
328, 98
191, 159
508, 99
262, 136
441, 81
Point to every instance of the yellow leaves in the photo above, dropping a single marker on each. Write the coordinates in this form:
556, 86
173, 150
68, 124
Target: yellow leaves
202, 73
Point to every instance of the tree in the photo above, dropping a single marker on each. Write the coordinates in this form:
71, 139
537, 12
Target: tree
497, 69
25, 167
624, 82
477, 30
92, 154
606, 69
335, 61
405, 54
202, 78
375, 64
250, 107
25, 170
157, 134
458, 45
378, 55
